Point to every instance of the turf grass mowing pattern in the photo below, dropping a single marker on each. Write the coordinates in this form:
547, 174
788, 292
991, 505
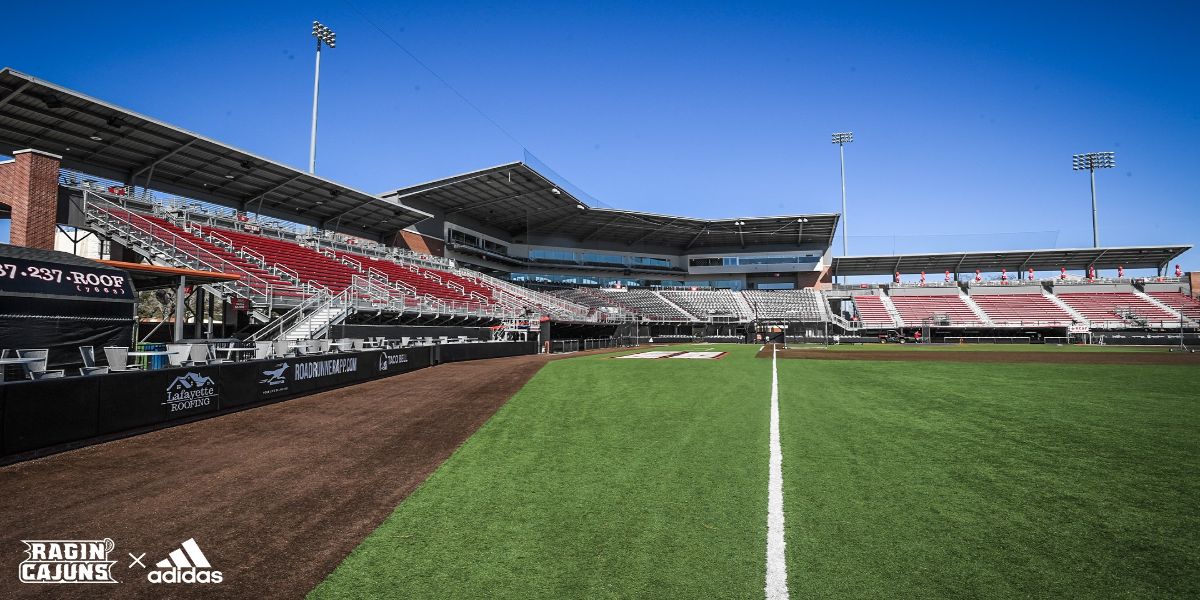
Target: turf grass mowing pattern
601, 478
939, 480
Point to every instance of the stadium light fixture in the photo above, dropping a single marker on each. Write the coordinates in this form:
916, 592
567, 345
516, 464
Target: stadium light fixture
325, 36
841, 139
1089, 162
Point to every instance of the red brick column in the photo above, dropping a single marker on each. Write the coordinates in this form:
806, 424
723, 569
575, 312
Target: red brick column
29, 184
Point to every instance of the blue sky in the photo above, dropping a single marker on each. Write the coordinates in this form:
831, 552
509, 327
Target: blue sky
965, 117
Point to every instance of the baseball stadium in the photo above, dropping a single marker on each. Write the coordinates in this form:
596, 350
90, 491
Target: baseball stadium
228, 377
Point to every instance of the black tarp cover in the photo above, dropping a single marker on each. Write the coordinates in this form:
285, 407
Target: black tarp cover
60, 301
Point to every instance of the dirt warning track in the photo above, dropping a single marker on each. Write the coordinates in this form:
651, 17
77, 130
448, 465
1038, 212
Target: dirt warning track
275, 497
1114, 357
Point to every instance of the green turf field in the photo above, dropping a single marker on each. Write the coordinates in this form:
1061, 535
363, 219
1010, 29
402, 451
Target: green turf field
610, 478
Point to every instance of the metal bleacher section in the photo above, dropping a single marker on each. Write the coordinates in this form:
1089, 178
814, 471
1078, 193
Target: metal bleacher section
708, 305
295, 280
787, 305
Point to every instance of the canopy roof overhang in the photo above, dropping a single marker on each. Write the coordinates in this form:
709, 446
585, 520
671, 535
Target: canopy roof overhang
516, 198
104, 140
153, 277
1129, 257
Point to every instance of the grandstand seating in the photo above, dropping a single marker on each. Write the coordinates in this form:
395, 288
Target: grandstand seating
1016, 309
647, 303
415, 280
916, 309
706, 304
588, 297
1180, 302
189, 242
308, 264
792, 305
871, 311
1111, 307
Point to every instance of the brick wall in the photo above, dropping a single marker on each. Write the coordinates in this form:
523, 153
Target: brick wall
420, 243
29, 184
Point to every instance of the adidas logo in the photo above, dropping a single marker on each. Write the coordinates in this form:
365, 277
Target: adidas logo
185, 564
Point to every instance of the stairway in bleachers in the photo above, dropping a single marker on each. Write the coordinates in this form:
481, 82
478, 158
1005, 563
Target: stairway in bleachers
1029, 310
1114, 309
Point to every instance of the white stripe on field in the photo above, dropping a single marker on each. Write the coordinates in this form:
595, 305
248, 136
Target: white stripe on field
776, 587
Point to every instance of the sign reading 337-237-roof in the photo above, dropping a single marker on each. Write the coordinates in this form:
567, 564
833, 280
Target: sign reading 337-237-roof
36, 277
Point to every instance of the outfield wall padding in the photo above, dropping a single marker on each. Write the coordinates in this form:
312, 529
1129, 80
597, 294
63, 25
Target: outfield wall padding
41, 417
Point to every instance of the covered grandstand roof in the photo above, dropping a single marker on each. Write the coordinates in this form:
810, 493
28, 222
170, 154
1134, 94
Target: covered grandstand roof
518, 199
1130, 257
108, 141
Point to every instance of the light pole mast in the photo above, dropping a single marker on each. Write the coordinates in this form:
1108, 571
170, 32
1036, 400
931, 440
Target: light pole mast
324, 35
1090, 162
841, 139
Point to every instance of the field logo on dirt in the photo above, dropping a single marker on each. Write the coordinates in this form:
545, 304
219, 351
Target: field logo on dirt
190, 391
67, 561
700, 355
654, 354
185, 564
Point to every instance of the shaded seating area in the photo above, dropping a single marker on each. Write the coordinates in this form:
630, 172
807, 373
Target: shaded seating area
53, 303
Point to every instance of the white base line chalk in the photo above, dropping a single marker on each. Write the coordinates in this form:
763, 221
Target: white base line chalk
776, 588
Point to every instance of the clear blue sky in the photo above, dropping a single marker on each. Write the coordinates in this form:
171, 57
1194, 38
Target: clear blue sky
965, 118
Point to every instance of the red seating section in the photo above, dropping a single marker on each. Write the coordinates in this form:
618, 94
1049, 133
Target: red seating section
871, 310
309, 264
399, 273
915, 309
1102, 306
1180, 302
1029, 309
201, 248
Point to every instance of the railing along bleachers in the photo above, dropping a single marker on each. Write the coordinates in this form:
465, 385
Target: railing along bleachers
706, 304
648, 304
788, 305
872, 313
1022, 309
915, 310
1116, 309
1180, 302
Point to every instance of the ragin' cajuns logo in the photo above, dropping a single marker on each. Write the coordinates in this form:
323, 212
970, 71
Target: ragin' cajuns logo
67, 561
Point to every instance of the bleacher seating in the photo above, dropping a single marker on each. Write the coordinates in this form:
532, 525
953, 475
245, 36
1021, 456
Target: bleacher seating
395, 272
1180, 302
647, 303
197, 245
309, 264
791, 305
1113, 307
914, 310
590, 298
872, 312
1017, 309
706, 304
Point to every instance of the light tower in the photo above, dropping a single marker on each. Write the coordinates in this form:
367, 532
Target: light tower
841, 139
1090, 162
324, 35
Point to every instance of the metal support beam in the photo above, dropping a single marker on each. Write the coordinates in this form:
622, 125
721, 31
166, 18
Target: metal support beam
179, 314
147, 166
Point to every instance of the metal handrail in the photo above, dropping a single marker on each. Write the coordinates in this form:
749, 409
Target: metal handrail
169, 243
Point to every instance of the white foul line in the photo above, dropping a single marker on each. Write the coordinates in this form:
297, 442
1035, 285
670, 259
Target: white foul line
776, 587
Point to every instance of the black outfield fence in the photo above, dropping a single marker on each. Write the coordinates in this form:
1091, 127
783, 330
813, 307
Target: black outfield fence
40, 417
